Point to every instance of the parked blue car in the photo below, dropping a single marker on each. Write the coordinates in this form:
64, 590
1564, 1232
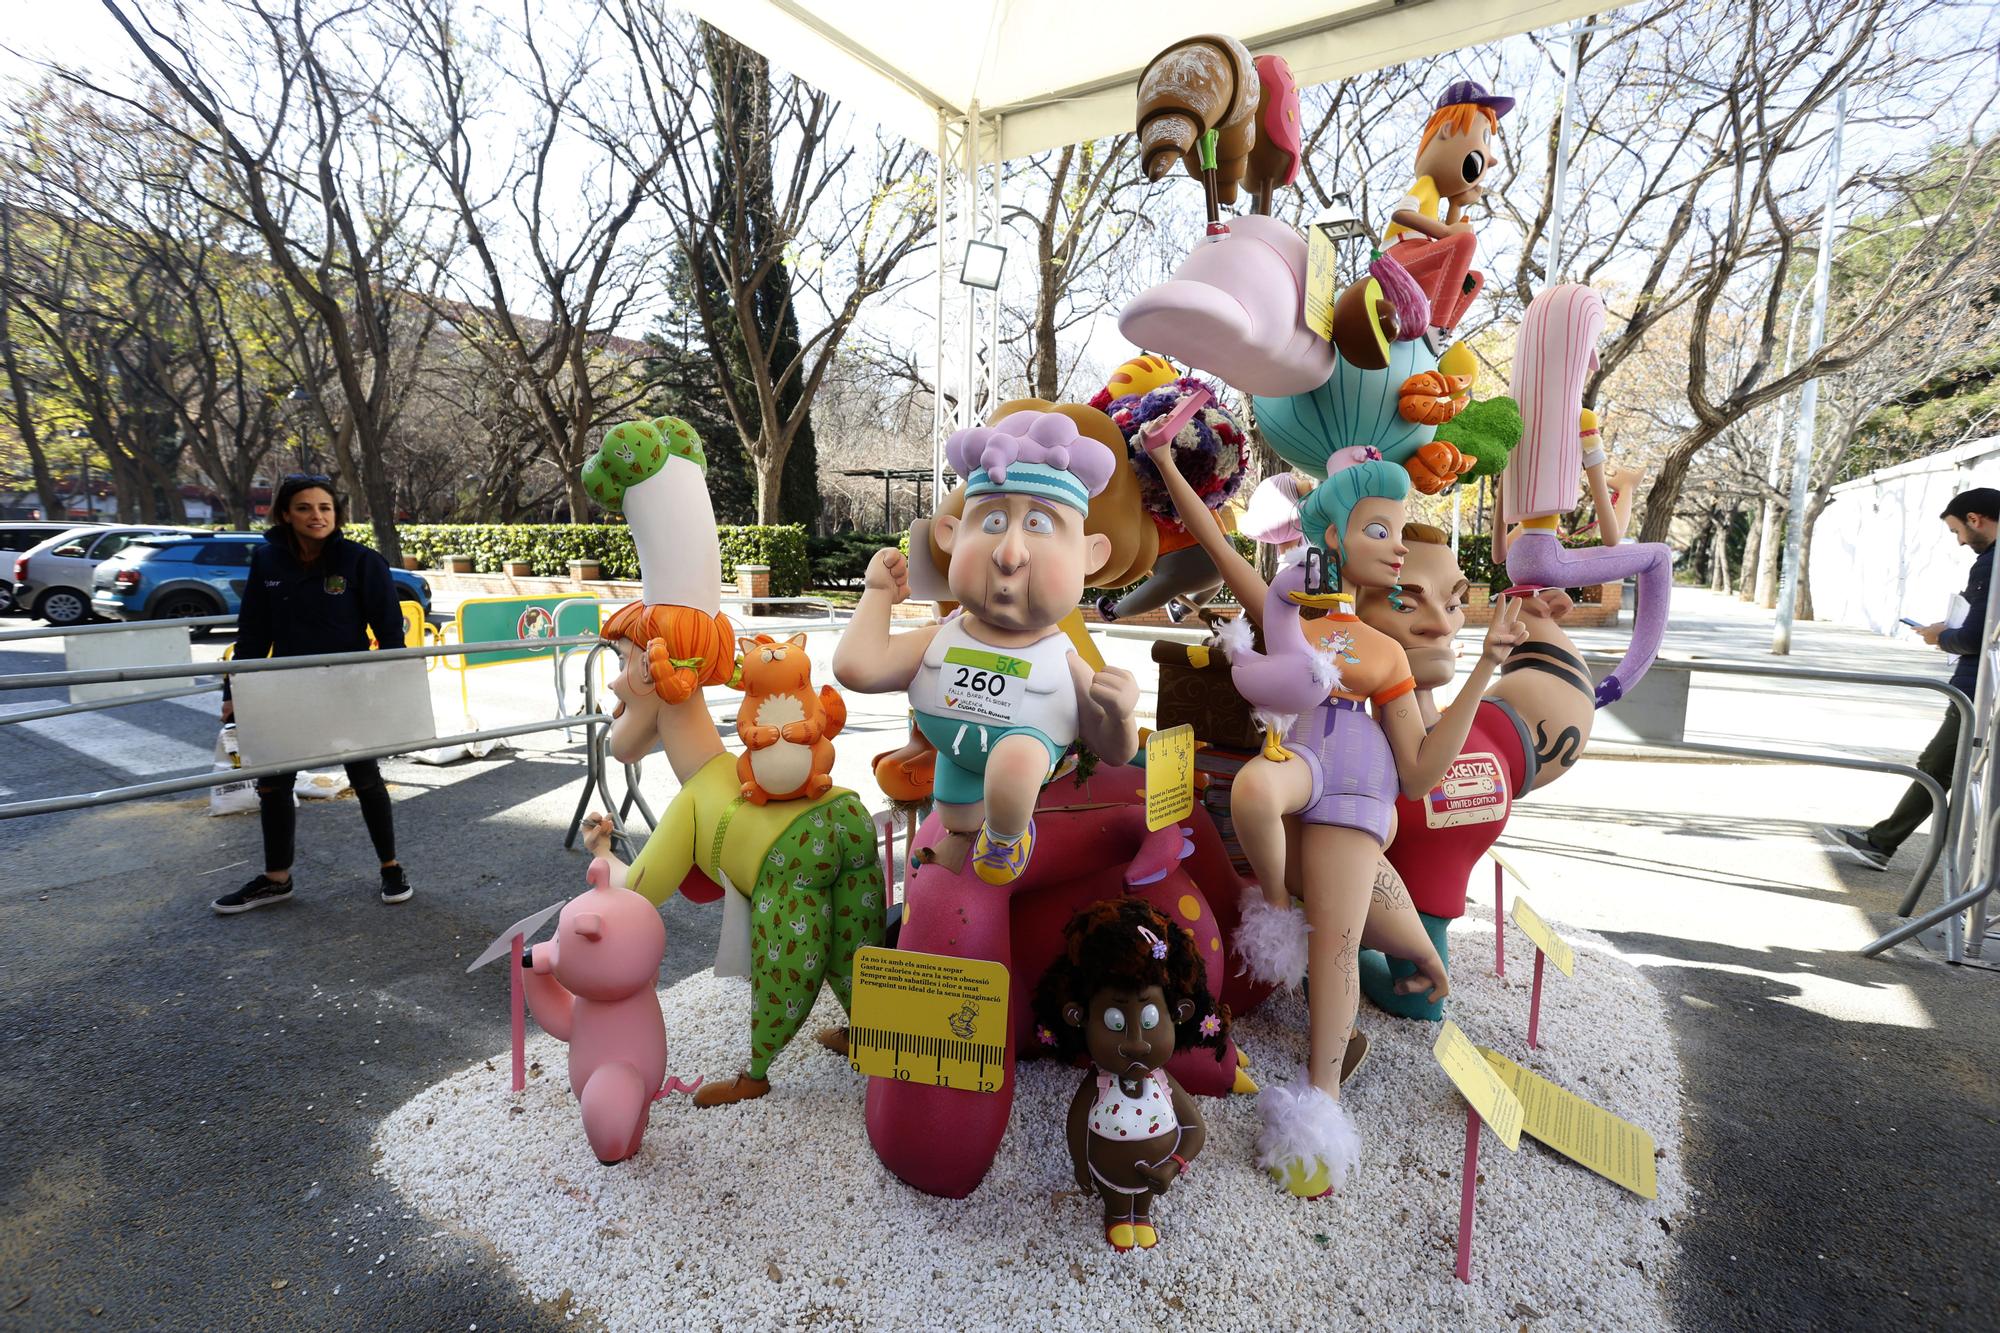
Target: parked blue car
169, 578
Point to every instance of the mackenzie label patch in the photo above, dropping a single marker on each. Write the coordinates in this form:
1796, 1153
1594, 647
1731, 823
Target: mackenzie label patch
1474, 791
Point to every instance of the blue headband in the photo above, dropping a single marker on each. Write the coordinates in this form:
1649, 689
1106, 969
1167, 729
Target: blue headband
1035, 479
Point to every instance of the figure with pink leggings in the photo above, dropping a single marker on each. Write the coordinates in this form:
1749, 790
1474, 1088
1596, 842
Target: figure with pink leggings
1555, 354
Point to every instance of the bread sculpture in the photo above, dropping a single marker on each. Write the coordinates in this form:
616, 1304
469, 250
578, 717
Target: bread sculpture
1194, 86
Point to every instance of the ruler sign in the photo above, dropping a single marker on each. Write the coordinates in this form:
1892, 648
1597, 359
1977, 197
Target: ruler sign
929, 1018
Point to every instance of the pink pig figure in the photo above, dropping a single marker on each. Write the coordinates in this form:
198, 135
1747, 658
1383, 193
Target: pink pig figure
595, 988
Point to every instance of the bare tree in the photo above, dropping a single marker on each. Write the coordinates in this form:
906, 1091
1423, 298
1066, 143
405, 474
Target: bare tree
768, 201
1701, 135
296, 132
23, 388
1083, 205
566, 192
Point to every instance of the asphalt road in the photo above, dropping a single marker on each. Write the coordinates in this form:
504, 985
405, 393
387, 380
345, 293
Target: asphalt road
190, 1100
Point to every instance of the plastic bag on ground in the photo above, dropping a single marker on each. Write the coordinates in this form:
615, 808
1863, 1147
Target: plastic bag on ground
323, 785
445, 754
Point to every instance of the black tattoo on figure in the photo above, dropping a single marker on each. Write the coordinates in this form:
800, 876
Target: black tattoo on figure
1389, 893
1535, 655
1563, 750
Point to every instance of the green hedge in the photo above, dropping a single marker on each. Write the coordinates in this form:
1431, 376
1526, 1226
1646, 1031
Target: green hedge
782, 548
549, 547
839, 561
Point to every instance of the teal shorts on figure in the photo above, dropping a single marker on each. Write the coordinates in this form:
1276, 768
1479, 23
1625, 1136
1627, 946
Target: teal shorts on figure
963, 748
1380, 973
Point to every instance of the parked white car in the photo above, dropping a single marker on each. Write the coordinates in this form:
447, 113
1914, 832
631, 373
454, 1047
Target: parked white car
18, 535
53, 580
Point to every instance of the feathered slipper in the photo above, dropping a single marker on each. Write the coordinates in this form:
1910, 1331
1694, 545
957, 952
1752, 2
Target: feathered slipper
1308, 1143
1270, 942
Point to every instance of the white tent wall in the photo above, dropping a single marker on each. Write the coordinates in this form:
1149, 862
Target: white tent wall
1055, 72
1879, 551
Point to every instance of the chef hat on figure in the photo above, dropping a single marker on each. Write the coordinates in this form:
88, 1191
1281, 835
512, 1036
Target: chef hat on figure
655, 473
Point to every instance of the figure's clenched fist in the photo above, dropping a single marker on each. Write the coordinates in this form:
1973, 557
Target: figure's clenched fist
1115, 692
889, 572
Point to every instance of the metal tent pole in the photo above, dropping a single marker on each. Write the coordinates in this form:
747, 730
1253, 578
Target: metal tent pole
1552, 266
1795, 519
968, 212
941, 202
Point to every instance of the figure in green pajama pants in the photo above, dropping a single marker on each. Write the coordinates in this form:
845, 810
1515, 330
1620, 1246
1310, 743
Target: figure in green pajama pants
817, 900
810, 872
804, 875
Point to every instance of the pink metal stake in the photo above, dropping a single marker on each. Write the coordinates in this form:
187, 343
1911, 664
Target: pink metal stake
1499, 924
1471, 1177
1535, 1003
520, 1000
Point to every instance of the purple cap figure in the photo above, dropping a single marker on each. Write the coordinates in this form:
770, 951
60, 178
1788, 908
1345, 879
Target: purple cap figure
1470, 92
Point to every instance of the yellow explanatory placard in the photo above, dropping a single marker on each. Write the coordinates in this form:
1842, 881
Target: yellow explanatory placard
1322, 277
1580, 1129
928, 1018
1169, 776
1480, 1084
1544, 937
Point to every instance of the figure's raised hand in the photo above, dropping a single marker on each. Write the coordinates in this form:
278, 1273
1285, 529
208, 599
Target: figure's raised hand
888, 571
1115, 692
1504, 633
1159, 445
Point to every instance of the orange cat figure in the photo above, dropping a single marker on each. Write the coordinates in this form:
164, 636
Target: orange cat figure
787, 728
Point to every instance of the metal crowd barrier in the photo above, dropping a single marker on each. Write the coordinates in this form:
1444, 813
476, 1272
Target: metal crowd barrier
593, 721
1944, 828
1958, 925
113, 627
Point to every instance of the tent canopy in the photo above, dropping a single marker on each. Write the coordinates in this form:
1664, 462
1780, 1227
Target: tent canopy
1044, 73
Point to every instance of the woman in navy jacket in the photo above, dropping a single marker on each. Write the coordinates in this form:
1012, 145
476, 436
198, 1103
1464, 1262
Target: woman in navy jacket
310, 591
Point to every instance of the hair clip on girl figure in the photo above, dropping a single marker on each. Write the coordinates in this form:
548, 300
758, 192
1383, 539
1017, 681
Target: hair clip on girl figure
1128, 990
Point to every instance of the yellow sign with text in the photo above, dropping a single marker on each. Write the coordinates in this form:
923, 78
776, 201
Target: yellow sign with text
1544, 937
928, 1018
1322, 277
1580, 1129
1479, 1083
1169, 776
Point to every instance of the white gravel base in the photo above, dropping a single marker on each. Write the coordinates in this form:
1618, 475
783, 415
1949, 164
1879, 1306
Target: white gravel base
776, 1215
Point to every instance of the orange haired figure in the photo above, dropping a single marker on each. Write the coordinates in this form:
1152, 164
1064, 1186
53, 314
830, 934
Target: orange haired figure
1428, 233
797, 871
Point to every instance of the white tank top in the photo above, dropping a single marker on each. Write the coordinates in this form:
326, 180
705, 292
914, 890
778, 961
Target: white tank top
1118, 1115
969, 680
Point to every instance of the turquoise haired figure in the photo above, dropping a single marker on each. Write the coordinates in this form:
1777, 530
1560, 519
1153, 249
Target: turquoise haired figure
1339, 776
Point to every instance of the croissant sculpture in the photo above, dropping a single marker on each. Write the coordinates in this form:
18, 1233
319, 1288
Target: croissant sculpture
1194, 86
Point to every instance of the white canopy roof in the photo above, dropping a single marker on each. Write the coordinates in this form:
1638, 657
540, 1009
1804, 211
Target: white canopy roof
1062, 71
